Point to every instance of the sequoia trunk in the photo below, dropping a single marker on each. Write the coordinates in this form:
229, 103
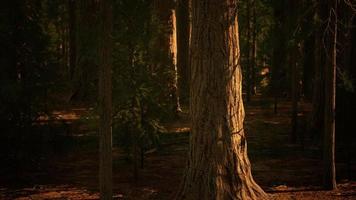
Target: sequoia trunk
218, 167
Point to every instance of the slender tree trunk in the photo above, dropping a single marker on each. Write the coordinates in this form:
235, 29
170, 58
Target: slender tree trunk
135, 106
64, 42
173, 53
166, 44
86, 66
308, 26
249, 52
294, 80
105, 98
317, 113
293, 51
330, 93
218, 166
183, 32
72, 37
135, 145
308, 72
279, 50
254, 49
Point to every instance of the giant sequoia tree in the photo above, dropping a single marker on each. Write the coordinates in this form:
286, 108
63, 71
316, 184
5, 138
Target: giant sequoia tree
218, 166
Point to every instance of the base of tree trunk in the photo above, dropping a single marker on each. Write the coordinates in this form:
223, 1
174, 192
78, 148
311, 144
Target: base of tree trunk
215, 177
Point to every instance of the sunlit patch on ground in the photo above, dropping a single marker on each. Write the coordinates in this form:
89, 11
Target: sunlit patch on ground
286, 171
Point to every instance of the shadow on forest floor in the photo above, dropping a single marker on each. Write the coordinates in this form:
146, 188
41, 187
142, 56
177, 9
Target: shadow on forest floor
286, 171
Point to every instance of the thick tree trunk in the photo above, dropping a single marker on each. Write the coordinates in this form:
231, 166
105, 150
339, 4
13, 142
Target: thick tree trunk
345, 99
350, 136
183, 31
330, 91
218, 166
105, 99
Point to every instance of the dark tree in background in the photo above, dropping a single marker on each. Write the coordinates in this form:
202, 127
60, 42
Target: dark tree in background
330, 41
279, 51
183, 35
84, 75
105, 97
165, 47
317, 120
29, 71
73, 23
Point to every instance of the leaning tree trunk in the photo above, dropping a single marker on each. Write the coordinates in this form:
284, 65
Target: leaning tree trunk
105, 99
218, 166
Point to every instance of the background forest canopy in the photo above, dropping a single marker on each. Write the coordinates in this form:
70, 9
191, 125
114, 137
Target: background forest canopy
50, 63
49, 60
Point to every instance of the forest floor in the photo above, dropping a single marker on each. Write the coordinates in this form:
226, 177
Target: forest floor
286, 171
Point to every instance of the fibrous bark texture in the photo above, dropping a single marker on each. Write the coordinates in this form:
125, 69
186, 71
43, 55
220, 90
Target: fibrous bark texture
218, 166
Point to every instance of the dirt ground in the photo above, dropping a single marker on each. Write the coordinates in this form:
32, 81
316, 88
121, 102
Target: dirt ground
285, 171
